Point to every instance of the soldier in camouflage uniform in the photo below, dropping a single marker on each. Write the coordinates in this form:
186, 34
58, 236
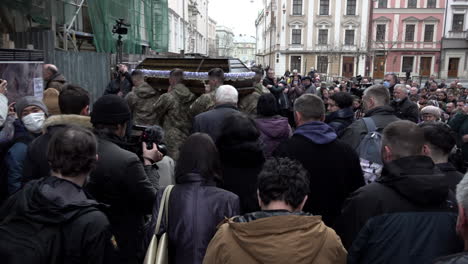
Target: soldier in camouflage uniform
206, 101
172, 112
141, 100
248, 103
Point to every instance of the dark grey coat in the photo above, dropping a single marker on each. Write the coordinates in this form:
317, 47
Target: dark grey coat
210, 122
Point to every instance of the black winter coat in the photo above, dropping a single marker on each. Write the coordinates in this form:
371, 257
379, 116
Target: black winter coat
406, 110
407, 216
454, 176
340, 120
120, 180
196, 208
53, 201
210, 122
334, 171
241, 163
382, 116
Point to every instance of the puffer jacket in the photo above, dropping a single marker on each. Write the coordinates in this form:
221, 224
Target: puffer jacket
340, 120
196, 207
141, 102
407, 216
275, 237
273, 131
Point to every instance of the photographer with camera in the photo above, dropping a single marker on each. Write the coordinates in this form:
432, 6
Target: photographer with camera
120, 179
122, 83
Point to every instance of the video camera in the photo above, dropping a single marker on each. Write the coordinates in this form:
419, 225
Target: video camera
150, 135
120, 27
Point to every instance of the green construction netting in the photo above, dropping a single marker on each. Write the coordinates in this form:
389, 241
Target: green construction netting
148, 19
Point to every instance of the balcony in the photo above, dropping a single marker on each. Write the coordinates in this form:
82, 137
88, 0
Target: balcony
457, 34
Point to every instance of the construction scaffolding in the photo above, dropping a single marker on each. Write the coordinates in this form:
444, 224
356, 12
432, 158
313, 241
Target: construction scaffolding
95, 19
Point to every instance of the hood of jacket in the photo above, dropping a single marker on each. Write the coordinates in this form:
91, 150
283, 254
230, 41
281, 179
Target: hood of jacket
63, 120
300, 237
183, 93
381, 110
145, 91
417, 179
52, 200
318, 132
58, 77
274, 127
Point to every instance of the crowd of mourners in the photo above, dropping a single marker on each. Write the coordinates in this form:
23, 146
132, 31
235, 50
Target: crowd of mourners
298, 170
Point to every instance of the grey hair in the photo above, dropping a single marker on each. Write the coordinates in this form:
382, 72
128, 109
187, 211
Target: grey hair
226, 94
462, 192
402, 87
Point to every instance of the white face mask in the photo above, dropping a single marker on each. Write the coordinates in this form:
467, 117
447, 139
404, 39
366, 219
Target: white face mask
33, 122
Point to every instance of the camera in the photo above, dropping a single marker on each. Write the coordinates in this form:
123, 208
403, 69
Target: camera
150, 135
120, 27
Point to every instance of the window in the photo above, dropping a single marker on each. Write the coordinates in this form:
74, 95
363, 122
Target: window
351, 8
380, 34
349, 37
323, 36
412, 3
382, 3
428, 33
431, 3
297, 7
458, 22
322, 64
407, 64
296, 63
409, 36
324, 7
296, 36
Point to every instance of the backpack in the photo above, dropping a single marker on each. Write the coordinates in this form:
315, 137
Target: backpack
26, 241
369, 151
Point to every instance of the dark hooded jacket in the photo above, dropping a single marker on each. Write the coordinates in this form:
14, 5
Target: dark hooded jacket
454, 176
53, 201
196, 207
333, 167
407, 216
341, 119
273, 131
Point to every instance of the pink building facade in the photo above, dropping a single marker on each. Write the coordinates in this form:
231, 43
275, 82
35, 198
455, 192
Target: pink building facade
406, 36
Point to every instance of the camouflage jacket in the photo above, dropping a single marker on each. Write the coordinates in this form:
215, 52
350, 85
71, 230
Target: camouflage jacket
172, 114
141, 102
248, 103
204, 103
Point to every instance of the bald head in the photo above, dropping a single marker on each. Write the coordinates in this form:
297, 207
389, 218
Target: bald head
48, 71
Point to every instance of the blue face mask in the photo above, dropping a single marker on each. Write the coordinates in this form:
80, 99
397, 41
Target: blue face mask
386, 84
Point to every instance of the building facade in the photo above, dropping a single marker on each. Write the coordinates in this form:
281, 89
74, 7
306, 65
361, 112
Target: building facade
244, 48
406, 37
329, 35
454, 63
212, 47
224, 41
188, 26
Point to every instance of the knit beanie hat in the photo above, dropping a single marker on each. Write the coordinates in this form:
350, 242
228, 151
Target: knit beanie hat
26, 101
433, 110
110, 109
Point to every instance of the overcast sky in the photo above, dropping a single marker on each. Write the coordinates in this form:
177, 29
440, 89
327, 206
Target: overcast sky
239, 15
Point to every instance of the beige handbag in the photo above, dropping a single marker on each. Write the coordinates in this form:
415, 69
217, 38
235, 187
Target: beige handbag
157, 252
